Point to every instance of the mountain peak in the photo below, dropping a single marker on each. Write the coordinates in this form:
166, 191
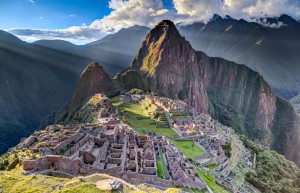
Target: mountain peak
92, 80
166, 23
160, 40
94, 66
287, 19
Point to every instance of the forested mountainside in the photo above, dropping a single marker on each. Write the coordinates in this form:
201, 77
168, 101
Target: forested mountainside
34, 81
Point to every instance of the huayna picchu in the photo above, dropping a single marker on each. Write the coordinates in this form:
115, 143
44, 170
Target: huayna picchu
175, 121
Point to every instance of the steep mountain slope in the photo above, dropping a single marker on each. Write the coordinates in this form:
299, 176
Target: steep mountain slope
34, 81
273, 52
295, 101
92, 80
232, 93
115, 51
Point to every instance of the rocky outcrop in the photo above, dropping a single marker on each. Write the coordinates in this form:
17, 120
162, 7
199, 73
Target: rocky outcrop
234, 94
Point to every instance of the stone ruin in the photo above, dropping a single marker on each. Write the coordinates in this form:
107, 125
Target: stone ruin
113, 147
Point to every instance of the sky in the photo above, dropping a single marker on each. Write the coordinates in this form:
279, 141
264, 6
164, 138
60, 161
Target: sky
83, 21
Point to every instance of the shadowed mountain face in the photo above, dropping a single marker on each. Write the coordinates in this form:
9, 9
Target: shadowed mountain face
273, 52
37, 79
232, 93
92, 80
34, 81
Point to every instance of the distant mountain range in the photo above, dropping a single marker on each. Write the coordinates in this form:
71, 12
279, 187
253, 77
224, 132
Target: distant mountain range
38, 78
115, 50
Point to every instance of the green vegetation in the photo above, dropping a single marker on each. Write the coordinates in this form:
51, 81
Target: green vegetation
193, 190
210, 181
160, 169
88, 112
213, 166
15, 181
227, 149
137, 117
136, 91
164, 166
273, 173
9, 160
188, 148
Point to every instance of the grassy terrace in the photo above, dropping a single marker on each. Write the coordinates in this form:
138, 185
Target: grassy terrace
186, 189
88, 112
160, 169
213, 166
210, 181
188, 148
15, 181
138, 118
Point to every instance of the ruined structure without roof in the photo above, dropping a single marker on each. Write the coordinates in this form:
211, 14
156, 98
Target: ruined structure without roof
112, 147
109, 146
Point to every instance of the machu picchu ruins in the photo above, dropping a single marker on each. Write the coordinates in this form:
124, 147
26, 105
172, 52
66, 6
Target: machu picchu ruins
100, 139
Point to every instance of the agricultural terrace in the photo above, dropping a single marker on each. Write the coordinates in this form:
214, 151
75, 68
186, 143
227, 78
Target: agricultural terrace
188, 148
138, 118
89, 111
210, 181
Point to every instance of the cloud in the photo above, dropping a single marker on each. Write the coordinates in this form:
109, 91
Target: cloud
126, 13
73, 34
198, 10
240, 9
30, 1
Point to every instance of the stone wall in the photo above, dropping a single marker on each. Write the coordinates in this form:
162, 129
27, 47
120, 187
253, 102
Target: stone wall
27, 142
57, 163
77, 145
189, 183
28, 164
136, 178
13, 164
64, 167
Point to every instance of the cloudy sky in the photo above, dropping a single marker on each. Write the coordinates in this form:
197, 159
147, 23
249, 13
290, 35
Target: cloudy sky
82, 21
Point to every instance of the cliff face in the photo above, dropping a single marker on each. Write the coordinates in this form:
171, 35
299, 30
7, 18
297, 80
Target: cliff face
170, 66
243, 93
232, 93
